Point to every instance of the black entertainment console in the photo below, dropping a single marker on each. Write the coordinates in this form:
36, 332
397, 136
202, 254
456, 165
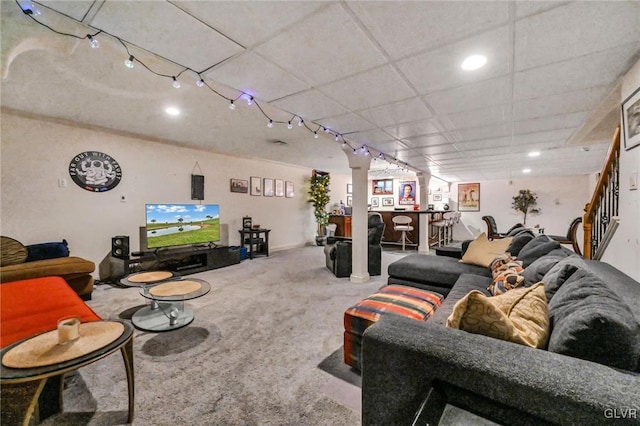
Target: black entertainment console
188, 260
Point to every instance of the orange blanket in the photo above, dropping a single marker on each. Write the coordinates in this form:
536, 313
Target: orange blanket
33, 306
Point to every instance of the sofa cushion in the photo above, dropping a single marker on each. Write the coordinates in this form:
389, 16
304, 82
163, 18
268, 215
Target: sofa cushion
518, 316
520, 239
515, 229
12, 252
482, 252
47, 251
536, 248
589, 321
65, 267
537, 270
560, 272
507, 274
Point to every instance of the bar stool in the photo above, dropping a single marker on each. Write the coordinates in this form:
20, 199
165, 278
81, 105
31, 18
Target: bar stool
402, 223
450, 220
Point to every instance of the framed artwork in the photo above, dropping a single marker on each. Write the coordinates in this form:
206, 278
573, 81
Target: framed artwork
349, 201
437, 197
375, 202
267, 187
631, 120
279, 188
407, 193
256, 185
239, 185
349, 188
387, 201
468, 197
288, 189
383, 186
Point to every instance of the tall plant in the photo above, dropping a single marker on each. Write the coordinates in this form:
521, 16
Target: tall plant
319, 197
525, 202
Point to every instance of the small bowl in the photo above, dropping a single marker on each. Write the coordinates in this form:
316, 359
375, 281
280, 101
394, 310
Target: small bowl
256, 226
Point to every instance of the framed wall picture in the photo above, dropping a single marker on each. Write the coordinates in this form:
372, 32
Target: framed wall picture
375, 202
267, 187
387, 201
256, 185
631, 120
288, 189
437, 197
349, 188
349, 201
239, 185
407, 193
468, 197
382, 186
279, 188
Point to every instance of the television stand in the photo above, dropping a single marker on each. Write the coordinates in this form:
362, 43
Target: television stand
190, 260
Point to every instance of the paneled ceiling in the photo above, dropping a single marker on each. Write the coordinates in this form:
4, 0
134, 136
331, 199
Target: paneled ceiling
382, 74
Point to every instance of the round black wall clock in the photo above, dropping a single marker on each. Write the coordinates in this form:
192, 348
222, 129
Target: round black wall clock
95, 171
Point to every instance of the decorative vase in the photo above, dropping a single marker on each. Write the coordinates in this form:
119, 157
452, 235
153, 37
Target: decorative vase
446, 207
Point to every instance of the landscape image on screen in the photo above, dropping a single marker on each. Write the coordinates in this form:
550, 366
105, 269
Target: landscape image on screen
182, 224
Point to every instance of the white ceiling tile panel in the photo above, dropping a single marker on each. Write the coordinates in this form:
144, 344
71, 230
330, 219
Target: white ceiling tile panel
580, 73
484, 143
565, 103
397, 113
550, 123
389, 147
346, 123
370, 136
327, 46
526, 8
430, 150
441, 68
471, 96
428, 140
479, 117
484, 132
250, 22
577, 29
446, 156
255, 75
76, 9
186, 40
406, 27
369, 89
311, 105
413, 129
548, 136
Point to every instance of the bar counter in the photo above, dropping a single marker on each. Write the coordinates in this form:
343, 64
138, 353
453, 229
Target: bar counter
393, 237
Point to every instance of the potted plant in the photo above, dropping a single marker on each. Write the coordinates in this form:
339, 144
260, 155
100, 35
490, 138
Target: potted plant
525, 202
319, 197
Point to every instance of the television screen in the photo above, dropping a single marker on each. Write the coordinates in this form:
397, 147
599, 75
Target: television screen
182, 224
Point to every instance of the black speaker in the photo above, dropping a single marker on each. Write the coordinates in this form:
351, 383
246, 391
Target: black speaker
120, 247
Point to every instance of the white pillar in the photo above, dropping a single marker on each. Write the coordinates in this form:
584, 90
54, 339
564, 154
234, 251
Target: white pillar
423, 219
359, 164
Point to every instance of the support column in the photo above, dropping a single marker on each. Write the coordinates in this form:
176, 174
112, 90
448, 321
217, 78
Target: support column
359, 164
423, 219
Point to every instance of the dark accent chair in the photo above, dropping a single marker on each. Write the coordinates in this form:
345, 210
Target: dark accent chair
570, 238
338, 251
492, 228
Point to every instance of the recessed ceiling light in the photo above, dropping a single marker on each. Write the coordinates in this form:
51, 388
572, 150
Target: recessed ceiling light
526, 170
172, 111
474, 62
534, 154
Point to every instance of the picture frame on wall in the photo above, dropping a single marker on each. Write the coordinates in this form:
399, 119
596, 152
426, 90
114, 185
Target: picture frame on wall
375, 202
288, 189
279, 188
631, 120
387, 201
407, 193
239, 185
256, 185
267, 187
349, 201
437, 197
382, 187
349, 188
468, 197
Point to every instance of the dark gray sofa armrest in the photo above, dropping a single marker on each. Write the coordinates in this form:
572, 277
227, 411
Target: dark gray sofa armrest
403, 358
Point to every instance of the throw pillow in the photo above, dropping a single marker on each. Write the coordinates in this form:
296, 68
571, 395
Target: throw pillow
515, 230
507, 274
519, 316
591, 322
536, 248
561, 272
12, 252
47, 251
537, 270
520, 239
481, 251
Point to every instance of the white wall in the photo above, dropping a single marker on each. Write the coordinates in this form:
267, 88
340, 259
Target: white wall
34, 209
624, 249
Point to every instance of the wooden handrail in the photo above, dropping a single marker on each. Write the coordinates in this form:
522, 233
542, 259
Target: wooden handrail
592, 207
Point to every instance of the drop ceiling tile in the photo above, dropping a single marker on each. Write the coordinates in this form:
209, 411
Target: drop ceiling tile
527, 8
253, 74
484, 143
550, 123
576, 101
183, 39
479, 117
397, 113
430, 150
325, 47
369, 89
440, 69
577, 29
548, 136
484, 132
413, 129
446, 156
429, 140
347, 123
406, 27
471, 96
389, 147
370, 137
76, 9
250, 22
599, 69
310, 105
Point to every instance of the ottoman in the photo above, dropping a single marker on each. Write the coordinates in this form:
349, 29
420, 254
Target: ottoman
401, 300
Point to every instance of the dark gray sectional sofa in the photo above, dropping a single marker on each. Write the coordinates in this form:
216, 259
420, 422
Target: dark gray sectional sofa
588, 375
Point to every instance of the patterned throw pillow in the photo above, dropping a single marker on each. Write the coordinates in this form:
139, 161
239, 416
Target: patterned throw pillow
482, 252
520, 316
507, 274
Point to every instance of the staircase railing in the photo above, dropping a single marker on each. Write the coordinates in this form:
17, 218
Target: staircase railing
604, 202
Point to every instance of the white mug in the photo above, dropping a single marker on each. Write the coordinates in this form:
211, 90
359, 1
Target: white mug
68, 330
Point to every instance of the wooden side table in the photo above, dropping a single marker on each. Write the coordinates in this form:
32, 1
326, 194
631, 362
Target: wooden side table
253, 239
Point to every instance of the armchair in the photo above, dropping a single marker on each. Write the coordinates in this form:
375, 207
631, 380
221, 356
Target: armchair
338, 253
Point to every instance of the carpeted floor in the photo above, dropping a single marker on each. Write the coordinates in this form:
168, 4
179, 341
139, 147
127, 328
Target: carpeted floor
252, 356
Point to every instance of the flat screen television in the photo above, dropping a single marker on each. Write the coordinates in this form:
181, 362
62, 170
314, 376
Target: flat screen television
182, 224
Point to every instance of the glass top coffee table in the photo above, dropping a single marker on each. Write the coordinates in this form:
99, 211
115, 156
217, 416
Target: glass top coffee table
166, 310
